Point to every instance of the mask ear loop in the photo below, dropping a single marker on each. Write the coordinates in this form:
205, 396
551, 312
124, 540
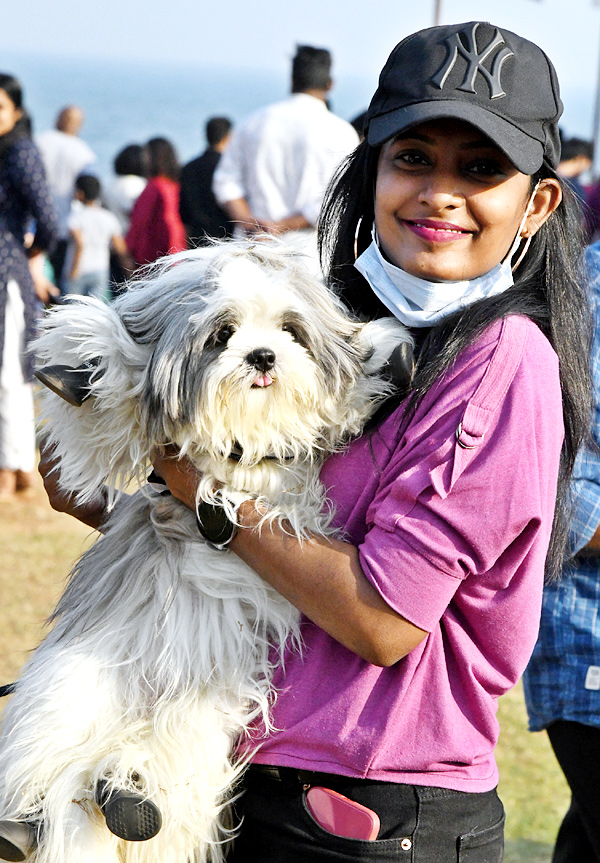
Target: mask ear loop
522, 255
519, 238
356, 233
359, 224
373, 235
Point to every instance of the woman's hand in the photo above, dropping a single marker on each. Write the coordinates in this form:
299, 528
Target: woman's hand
180, 475
291, 223
94, 513
44, 288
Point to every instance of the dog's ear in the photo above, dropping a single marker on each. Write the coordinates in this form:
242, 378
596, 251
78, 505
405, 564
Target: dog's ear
94, 369
164, 402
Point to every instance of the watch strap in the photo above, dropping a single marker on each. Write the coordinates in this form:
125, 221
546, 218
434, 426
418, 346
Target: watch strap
214, 525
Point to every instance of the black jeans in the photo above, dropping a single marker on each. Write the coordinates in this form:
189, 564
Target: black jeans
418, 824
577, 748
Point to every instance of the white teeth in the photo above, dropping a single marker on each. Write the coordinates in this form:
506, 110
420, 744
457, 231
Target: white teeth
445, 230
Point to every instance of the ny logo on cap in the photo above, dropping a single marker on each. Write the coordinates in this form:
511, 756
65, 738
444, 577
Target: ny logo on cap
475, 61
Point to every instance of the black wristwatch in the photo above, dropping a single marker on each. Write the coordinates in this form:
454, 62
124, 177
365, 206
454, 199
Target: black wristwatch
211, 518
214, 525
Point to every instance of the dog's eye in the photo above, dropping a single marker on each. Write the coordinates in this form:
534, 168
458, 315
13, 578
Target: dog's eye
296, 332
224, 334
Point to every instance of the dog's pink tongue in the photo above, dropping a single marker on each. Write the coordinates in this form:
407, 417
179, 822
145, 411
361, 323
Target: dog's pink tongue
263, 381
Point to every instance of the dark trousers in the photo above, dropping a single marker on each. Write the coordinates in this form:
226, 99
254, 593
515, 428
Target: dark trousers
418, 824
577, 748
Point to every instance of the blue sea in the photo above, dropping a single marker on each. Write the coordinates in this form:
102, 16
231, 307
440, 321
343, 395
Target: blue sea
127, 102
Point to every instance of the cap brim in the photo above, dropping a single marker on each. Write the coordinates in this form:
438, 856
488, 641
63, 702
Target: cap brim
525, 152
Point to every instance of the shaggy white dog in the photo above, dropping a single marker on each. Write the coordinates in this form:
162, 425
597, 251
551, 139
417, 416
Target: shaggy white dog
162, 648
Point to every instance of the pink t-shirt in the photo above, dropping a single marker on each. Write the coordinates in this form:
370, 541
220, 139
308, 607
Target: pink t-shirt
451, 511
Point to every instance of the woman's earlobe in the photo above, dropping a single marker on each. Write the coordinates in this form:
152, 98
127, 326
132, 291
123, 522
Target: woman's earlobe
546, 199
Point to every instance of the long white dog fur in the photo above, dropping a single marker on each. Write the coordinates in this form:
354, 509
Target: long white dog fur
162, 647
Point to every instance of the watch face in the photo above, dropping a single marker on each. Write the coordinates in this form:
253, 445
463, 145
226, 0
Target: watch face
213, 523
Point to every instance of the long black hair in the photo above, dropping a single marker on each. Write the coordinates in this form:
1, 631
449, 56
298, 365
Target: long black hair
549, 288
132, 160
163, 159
22, 128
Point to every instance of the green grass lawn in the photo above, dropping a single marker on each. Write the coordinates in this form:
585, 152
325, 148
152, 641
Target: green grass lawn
532, 787
37, 548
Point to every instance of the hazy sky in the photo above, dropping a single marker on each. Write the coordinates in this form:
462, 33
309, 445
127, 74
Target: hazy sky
262, 33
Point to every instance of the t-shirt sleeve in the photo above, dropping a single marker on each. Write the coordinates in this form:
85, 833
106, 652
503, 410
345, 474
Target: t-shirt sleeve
471, 489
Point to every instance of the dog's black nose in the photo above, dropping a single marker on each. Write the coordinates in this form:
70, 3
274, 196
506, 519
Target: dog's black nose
262, 359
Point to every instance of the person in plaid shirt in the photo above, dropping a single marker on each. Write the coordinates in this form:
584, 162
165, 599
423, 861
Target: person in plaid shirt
562, 681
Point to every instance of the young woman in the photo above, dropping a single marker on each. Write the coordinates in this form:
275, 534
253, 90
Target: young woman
427, 611
156, 228
24, 196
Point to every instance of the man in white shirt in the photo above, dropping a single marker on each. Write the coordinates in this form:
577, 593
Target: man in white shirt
65, 156
273, 175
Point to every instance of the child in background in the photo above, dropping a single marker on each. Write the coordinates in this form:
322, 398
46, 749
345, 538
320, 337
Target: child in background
93, 230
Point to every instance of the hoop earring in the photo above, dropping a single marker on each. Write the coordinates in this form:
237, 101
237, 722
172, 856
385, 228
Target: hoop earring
523, 253
356, 233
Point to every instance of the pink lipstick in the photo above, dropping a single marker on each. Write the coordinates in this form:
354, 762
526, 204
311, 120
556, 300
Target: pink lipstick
436, 232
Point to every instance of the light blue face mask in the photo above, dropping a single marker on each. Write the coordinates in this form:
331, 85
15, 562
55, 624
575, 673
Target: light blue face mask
421, 303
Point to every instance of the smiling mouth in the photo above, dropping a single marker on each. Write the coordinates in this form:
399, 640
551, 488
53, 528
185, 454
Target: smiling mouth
440, 232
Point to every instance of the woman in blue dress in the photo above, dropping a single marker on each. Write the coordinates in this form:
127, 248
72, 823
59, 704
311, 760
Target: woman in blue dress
25, 204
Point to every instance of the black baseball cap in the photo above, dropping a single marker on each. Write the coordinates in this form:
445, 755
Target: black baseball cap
493, 79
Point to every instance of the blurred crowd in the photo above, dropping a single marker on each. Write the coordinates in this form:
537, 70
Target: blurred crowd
151, 207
